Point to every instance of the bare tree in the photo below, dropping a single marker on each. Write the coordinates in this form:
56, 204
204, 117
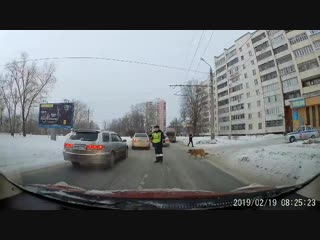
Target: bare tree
191, 106
32, 82
177, 124
82, 114
9, 93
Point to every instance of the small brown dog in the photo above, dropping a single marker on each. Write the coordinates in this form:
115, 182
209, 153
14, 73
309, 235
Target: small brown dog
197, 152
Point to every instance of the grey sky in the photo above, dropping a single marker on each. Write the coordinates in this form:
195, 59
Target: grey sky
110, 88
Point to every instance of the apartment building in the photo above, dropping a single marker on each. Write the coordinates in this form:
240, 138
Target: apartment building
156, 114
268, 82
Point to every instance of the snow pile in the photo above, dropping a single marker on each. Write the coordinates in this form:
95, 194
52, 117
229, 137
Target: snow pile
281, 163
207, 141
20, 153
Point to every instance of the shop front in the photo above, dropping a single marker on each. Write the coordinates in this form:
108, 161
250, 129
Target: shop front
306, 111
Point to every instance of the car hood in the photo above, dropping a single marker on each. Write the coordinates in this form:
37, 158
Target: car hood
149, 199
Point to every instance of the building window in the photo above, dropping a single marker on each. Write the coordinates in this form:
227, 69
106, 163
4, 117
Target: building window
272, 99
222, 85
219, 70
291, 95
257, 92
264, 55
311, 82
250, 126
242, 58
316, 44
268, 76
232, 62
231, 54
259, 114
311, 32
254, 72
235, 88
245, 75
223, 110
237, 107
224, 128
237, 117
256, 82
238, 126
284, 59
250, 53
266, 65
223, 102
248, 94
277, 40
258, 38
274, 123
224, 76
258, 103
249, 116
240, 49
303, 51
272, 32
244, 66
261, 47
280, 49
224, 119
252, 62
260, 125
287, 70
236, 98
290, 82
220, 62
249, 105
222, 94
308, 65
247, 85
273, 111
298, 38
271, 87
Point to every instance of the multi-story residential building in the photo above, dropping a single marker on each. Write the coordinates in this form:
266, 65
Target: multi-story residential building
155, 114
262, 77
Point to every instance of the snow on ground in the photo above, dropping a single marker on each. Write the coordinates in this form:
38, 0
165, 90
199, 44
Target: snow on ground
284, 163
263, 159
20, 153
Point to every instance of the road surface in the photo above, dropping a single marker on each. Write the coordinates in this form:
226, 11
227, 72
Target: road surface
139, 171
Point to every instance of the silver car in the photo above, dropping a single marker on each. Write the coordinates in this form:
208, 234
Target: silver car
94, 147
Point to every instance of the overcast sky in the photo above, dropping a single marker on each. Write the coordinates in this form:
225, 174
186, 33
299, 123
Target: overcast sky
110, 88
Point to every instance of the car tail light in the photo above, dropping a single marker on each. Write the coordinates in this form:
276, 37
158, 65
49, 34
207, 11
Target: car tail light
68, 145
95, 147
167, 140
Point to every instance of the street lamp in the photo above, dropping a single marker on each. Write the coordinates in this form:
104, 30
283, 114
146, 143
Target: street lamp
212, 100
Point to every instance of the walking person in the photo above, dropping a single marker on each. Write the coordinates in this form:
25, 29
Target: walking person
190, 140
157, 140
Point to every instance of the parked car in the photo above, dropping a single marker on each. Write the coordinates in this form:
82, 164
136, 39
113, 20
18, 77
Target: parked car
94, 147
140, 140
302, 133
166, 141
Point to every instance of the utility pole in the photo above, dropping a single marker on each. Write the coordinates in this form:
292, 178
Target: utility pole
211, 101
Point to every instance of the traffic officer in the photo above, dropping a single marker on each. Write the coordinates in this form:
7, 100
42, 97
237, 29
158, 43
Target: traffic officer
157, 140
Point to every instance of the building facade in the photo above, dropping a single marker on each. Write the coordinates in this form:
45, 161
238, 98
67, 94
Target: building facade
156, 114
268, 82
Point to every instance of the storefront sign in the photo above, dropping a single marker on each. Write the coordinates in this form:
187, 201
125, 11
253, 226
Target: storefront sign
295, 115
299, 103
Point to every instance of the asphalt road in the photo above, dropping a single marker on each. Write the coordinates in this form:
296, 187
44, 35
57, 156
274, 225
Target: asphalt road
139, 171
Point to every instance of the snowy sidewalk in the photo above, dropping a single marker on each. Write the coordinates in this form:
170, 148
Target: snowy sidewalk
267, 160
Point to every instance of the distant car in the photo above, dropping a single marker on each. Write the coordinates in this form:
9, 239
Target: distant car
166, 141
140, 140
302, 133
94, 147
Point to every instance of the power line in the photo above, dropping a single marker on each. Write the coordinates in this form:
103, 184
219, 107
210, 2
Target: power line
106, 59
194, 55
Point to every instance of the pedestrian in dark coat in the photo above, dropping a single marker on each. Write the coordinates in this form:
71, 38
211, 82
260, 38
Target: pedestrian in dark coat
190, 140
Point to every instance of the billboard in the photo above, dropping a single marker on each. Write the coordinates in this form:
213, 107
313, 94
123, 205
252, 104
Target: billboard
56, 115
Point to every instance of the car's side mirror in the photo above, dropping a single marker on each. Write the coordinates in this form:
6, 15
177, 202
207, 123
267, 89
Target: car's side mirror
124, 140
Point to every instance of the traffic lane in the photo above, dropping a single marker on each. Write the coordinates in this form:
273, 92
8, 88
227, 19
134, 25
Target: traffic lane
140, 172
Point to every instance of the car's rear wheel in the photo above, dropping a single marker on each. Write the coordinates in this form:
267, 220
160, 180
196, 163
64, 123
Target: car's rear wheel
126, 154
313, 136
75, 164
292, 139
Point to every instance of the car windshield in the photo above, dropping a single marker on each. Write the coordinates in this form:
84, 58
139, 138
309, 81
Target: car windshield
80, 108
141, 135
84, 136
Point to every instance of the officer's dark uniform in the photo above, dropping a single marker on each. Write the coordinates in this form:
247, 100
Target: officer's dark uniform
157, 140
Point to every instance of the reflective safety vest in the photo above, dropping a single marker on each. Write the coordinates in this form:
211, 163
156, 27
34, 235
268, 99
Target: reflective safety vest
156, 137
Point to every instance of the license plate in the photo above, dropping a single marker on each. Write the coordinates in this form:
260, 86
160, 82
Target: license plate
79, 148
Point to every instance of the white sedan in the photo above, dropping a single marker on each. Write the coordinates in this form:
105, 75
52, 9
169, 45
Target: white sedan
303, 133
